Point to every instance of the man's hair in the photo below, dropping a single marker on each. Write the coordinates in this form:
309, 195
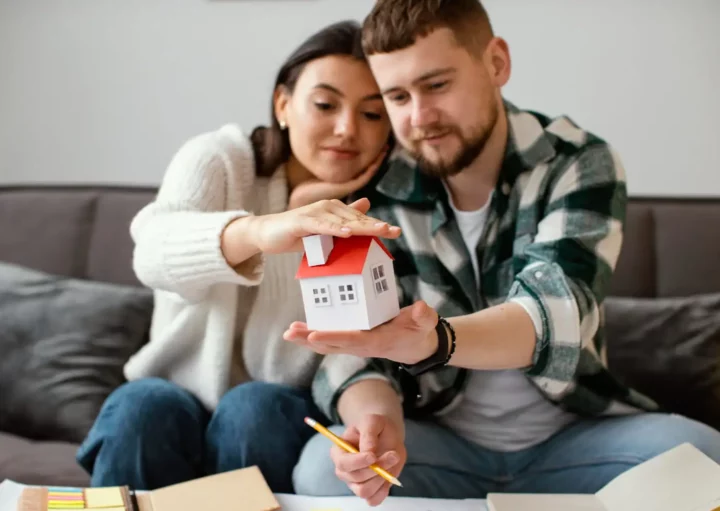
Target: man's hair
396, 24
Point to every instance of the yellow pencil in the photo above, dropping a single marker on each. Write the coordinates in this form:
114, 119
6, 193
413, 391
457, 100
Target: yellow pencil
349, 448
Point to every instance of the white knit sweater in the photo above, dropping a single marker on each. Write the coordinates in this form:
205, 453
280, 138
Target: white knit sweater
214, 326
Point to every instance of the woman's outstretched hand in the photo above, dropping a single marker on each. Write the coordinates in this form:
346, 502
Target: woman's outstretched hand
283, 232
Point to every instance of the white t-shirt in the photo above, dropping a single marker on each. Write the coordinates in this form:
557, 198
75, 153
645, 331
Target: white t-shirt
502, 410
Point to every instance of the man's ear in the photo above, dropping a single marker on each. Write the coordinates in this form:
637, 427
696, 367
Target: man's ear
281, 99
498, 61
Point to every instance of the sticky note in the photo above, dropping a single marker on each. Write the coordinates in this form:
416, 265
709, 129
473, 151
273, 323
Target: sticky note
104, 498
65, 498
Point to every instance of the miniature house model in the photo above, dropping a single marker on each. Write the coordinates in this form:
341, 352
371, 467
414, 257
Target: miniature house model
347, 283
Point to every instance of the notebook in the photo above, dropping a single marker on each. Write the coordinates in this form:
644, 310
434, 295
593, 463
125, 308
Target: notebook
681, 479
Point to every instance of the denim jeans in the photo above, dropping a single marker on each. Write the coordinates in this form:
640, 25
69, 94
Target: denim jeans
580, 459
152, 433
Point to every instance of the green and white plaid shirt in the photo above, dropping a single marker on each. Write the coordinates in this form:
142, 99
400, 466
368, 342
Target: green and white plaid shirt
553, 235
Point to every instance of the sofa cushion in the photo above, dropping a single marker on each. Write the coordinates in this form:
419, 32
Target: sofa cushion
669, 349
63, 344
636, 273
43, 463
687, 250
48, 232
110, 250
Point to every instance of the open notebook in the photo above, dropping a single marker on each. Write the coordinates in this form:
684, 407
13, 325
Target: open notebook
681, 479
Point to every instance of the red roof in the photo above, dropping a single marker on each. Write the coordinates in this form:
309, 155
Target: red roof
346, 258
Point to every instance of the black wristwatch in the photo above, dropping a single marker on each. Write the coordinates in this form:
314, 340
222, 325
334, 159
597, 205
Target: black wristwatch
445, 350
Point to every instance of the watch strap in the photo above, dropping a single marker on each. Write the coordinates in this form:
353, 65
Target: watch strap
445, 349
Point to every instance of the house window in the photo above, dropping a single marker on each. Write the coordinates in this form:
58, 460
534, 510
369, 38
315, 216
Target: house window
321, 296
348, 293
379, 279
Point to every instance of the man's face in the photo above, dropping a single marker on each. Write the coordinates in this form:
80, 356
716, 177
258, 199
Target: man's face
442, 101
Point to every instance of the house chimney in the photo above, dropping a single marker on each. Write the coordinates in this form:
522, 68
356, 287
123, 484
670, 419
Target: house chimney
318, 248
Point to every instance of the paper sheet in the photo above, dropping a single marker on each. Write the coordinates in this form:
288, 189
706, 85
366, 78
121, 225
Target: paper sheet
562, 502
9, 495
302, 503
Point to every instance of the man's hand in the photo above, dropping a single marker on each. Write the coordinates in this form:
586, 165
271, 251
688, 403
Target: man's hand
408, 338
379, 441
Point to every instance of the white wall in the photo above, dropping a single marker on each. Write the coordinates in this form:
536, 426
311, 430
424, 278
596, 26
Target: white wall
643, 74
104, 91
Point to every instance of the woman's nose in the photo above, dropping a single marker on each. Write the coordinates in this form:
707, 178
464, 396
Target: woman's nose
346, 125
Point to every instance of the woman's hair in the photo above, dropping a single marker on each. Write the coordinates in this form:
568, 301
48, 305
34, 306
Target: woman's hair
271, 144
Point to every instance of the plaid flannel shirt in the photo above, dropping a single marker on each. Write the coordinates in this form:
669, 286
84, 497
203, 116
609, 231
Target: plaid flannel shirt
552, 238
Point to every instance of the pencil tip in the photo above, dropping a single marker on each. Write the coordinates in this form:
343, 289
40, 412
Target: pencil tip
397, 482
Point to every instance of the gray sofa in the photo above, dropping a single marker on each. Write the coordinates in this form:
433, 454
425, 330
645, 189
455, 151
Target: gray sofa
663, 312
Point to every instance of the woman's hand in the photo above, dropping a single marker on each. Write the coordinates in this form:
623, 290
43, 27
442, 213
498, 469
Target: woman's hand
314, 190
283, 232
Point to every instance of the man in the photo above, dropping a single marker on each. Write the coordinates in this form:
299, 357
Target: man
512, 224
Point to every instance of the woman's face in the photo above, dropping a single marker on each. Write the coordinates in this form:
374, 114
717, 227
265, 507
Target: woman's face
336, 118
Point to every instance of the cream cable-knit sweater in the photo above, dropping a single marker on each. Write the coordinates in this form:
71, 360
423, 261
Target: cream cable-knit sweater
215, 326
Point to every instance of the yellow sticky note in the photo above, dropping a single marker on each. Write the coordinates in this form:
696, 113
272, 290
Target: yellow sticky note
103, 498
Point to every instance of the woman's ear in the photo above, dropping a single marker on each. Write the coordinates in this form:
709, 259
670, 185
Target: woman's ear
281, 99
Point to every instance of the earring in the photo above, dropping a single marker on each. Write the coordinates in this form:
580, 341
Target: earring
283, 125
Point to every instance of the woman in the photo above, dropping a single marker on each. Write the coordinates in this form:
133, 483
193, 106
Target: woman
217, 388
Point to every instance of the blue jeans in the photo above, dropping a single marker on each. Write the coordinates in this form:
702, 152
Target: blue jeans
152, 433
580, 459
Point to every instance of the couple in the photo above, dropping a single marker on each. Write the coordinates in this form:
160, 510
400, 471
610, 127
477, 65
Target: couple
505, 226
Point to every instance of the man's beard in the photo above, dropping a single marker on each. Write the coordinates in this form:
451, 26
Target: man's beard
470, 149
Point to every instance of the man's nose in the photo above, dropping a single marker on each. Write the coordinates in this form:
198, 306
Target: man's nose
423, 113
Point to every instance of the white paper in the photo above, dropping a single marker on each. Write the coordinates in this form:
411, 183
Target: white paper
302, 503
10, 494
548, 502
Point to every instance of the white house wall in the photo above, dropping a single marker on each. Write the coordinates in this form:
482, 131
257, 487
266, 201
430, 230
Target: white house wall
337, 315
385, 306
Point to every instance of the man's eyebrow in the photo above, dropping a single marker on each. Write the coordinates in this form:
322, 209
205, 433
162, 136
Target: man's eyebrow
427, 76
335, 90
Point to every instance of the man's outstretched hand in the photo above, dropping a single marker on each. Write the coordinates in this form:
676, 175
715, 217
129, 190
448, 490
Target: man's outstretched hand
408, 338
